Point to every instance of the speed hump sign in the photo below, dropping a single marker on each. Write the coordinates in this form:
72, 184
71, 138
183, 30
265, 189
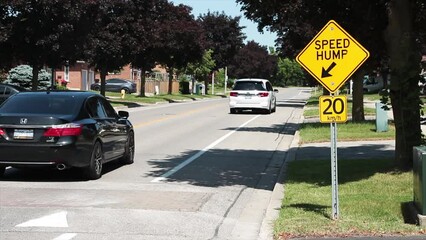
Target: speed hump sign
333, 109
332, 56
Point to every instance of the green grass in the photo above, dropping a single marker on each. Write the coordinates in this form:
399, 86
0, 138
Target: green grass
373, 195
134, 100
349, 131
313, 111
312, 105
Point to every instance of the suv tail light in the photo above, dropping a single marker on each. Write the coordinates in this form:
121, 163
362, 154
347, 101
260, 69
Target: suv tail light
263, 94
70, 129
233, 94
2, 132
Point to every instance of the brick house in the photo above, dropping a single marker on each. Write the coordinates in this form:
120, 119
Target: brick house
80, 76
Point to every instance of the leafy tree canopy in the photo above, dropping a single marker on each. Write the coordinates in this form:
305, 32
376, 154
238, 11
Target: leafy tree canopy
289, 73
45, 32
393, 31
201, 69
182, 37
223, 35
253, 61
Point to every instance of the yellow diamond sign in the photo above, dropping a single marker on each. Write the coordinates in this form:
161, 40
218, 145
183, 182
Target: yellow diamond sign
332, 56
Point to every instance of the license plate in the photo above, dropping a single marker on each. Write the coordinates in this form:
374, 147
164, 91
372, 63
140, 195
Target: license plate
248, 96
23, 134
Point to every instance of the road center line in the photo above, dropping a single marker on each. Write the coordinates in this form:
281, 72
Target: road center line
200, 153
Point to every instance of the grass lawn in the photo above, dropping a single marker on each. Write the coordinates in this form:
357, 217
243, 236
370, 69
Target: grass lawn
133, 99
372, 197
373, 193
312, 106
349, 131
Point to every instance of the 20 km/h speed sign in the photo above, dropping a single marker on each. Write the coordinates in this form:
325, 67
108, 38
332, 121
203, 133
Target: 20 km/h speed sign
333, 109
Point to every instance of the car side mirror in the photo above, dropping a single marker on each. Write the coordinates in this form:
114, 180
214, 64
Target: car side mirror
276, 90
123, 114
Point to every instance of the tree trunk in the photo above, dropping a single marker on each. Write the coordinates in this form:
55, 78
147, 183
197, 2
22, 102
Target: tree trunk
143, 83
169, 91
34, 81
103, 73
358, 97
206, 85
404, 89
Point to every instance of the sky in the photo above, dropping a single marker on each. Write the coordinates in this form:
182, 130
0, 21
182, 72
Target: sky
230, 8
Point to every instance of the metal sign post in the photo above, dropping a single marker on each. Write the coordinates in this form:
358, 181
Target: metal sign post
334, 174
332, 57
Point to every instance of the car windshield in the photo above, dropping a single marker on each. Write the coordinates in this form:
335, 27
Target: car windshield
41, 104
249, 85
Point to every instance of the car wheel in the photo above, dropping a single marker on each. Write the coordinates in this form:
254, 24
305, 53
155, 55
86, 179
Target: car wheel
274, 109
97, 88
94, 170
2, 170
233, 110
269, 110
129, 154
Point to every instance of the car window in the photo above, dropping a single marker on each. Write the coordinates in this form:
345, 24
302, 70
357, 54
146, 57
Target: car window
269, 86
109, 110
114, 81
95, 108
9, 90
55, 105
2, 89
249, 85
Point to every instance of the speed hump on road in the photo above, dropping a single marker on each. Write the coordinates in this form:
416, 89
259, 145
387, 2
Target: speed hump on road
333, 109
332, 56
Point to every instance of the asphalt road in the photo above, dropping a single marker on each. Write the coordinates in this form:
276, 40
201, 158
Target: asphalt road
199, 173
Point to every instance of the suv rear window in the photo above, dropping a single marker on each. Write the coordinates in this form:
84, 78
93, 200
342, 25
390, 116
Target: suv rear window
249, 85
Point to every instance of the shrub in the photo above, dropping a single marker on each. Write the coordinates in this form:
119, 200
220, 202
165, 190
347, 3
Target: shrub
22, 75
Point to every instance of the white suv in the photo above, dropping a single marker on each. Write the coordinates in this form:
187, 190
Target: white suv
251, 94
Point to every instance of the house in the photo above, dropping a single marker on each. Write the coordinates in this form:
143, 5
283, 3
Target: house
80, 76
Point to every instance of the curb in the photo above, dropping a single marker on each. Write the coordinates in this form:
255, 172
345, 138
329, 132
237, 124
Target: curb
277, 196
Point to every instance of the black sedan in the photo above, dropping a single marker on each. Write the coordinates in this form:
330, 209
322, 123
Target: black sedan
116, 85
63, 129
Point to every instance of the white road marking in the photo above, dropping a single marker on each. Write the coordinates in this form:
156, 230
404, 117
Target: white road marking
199, 154
54, 220
66, 236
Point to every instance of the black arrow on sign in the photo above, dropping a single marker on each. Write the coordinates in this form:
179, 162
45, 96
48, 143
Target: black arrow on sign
326, 73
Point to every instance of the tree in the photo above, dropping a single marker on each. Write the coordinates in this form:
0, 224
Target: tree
289, 73
147, 14
223, 35
40, 33
112, 41
253, 61
296, 22
200, 70
404, 65
22, 75
182, 39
